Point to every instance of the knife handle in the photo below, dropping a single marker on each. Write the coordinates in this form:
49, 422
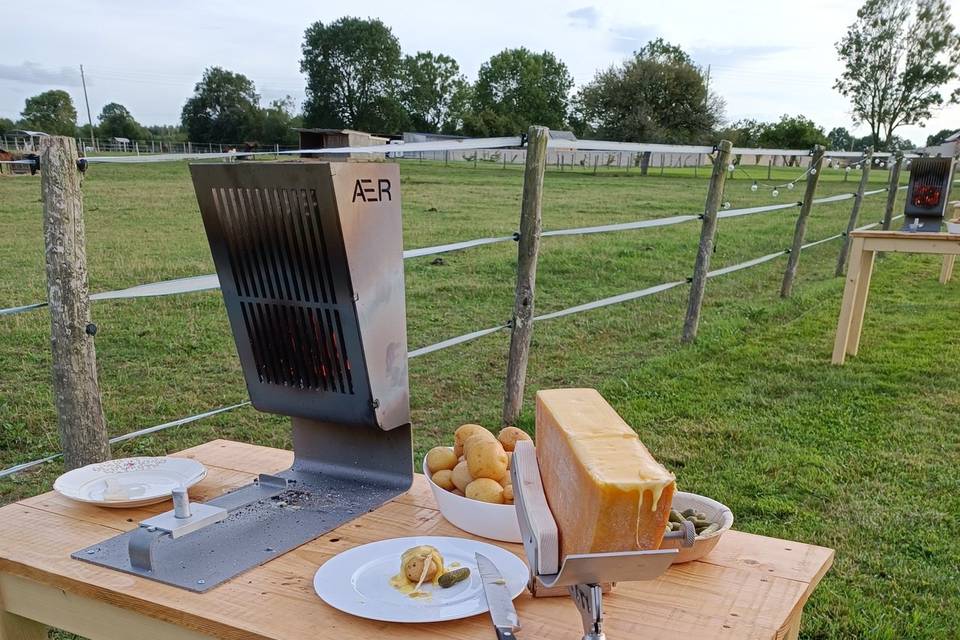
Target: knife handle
505, 634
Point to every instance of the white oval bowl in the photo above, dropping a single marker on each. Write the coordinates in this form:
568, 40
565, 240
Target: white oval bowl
714, 511
494, 521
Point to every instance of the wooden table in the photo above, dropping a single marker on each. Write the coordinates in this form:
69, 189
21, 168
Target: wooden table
863, 250
748, 587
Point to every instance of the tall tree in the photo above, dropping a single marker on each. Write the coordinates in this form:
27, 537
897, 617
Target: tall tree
792, 132
224, 108
351, 67
939, 137
517, 88
115, 121
432, 91
6, 124
51, 112
743, 133
898, 55
277, 122
658, 95
840, 139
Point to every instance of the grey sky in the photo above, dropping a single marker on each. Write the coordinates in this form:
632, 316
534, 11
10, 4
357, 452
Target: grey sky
767, 57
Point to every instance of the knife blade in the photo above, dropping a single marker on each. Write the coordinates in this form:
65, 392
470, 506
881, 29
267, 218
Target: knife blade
502, 611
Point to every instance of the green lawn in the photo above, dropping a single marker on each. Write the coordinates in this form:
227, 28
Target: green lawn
862, 458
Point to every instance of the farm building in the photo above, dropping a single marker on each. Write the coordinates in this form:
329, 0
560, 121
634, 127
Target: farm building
314, 138
949, 147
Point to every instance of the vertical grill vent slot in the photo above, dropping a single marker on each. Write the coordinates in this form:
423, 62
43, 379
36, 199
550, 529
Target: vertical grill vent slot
279, 260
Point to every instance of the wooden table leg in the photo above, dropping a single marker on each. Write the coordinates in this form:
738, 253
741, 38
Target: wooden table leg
14, 627
849, 297
860, 301
946, 271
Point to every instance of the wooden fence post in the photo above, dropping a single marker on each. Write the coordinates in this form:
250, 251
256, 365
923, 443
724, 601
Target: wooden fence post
793, 258
892, 190
528, 248
855, 211
707, 233
83, 430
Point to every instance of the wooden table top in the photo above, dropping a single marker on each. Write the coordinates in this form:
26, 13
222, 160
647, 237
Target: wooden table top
748, 587
904, 235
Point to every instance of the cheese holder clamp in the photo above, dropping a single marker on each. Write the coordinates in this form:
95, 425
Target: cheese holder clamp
309, 258
583, 575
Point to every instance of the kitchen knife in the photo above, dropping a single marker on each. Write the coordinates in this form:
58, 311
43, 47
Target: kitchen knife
505, 619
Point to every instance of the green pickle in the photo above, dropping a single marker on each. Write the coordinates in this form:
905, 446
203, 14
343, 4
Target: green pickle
451, 578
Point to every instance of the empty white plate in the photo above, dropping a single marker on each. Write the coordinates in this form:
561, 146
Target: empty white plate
357, 581
129, 482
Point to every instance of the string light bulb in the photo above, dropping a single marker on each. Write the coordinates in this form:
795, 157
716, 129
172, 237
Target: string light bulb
813, 172
790, 185
754, 186
775, 193
731, 167
726, 205
848, 169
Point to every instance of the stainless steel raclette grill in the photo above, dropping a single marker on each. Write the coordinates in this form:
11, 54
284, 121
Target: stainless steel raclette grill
310, 263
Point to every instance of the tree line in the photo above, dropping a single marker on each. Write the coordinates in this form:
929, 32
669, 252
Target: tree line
898, 55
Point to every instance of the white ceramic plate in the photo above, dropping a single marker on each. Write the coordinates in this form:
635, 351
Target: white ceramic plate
129, 482
357, 581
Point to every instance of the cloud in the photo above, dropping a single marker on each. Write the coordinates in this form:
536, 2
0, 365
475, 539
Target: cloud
584, 18
630, 39
33, 73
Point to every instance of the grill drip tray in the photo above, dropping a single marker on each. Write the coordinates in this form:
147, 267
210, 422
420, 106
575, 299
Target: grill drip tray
269, 517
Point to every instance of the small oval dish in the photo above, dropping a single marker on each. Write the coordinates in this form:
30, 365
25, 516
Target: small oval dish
702, 545
129, 482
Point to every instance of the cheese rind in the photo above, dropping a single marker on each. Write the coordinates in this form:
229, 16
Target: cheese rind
606, 492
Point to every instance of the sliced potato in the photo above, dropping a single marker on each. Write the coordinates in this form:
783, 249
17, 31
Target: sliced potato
460, 476
443, 479
485, 490
440, 458
508, 437
486, 458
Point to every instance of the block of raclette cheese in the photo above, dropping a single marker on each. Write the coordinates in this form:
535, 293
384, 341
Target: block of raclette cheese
605, 490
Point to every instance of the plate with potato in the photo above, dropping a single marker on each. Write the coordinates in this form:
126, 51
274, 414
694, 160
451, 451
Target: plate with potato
415, 579
471, 481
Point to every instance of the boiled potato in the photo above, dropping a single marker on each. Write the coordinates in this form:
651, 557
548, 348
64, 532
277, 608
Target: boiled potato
440, 458
485, 490
464, 432
509, 435
505, 480
443, 479
457, 492
508, 494
485, 458
509, 459
460, 476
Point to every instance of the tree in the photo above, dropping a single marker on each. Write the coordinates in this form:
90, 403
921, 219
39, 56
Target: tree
351, 67
277, 122
517, 88
743, 133
659, 95
432, 91
792, 133
840, 139
51, 112
897, 57
940, 137
224, 108
6, 124
116, 122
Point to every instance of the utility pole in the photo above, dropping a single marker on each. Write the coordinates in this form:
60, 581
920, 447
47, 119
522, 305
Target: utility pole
706, 97
83, 81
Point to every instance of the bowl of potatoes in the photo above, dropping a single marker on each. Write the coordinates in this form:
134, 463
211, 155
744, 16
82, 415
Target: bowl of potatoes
471, 481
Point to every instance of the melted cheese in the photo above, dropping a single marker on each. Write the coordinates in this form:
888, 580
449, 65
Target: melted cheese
606, 492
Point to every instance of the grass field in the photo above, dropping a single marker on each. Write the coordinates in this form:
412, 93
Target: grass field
862, 458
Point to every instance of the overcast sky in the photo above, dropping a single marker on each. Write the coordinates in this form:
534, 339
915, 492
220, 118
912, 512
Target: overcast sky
767, 57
